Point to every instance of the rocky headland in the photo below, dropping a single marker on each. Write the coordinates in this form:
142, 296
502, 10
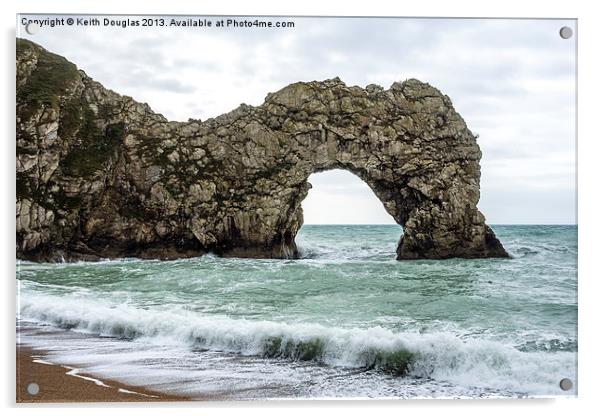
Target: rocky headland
100, 175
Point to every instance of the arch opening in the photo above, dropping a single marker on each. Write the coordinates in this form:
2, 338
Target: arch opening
344, 218
338, 197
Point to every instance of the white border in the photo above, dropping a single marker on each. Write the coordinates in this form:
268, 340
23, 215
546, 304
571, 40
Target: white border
589, 185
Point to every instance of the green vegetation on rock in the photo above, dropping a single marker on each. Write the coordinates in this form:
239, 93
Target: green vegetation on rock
49, 80
93, 146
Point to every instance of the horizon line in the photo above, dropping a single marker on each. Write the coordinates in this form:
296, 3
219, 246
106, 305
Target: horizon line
500, 223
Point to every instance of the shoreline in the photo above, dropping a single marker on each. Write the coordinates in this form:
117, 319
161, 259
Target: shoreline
61, 384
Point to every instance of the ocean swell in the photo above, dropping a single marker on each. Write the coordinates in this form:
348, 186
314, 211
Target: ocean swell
441, 356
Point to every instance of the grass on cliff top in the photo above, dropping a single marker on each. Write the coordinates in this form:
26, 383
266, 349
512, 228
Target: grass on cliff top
49, 80
90, 146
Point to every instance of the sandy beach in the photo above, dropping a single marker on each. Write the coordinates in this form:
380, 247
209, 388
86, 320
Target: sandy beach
56, 385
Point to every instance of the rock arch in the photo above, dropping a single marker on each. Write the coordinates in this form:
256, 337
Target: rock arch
100, 175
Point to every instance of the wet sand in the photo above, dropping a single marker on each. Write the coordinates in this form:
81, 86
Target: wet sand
56, 385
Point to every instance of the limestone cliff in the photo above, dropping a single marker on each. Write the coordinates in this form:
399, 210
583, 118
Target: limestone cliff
101, 175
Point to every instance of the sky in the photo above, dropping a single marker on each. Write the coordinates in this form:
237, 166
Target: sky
513, 82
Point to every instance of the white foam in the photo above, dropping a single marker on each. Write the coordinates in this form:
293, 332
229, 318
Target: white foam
40, 361
134, 392
442, 356
75, 373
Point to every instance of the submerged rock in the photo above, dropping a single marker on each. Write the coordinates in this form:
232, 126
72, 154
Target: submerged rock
101, 175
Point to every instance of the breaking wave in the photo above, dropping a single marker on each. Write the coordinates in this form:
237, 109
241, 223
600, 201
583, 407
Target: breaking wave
441, 356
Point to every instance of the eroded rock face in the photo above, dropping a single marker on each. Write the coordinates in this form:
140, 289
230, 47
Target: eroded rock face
101, 175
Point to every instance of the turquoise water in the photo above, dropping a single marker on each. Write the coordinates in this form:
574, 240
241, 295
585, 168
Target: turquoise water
346, 311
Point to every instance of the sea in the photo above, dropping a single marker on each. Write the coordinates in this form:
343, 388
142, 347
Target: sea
346, 320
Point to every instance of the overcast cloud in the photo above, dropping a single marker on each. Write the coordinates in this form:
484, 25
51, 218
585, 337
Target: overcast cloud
513, 81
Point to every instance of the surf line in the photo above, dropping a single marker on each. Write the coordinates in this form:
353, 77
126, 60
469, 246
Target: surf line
75, 373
